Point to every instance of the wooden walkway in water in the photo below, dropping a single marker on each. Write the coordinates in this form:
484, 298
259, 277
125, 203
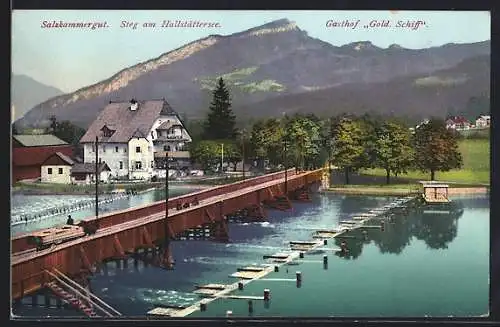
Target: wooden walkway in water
248, 274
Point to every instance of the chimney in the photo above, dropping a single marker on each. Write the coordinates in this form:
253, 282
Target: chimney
133, 105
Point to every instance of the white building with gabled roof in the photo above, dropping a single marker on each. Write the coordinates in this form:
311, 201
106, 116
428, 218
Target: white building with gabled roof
134, 137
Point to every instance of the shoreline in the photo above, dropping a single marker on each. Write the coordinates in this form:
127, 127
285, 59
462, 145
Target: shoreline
377, 191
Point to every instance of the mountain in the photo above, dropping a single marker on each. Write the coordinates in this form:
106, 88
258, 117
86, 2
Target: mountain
27, 93
277, 59
417, 96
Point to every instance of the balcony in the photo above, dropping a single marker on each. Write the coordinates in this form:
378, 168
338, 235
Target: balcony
172, 154
164, 138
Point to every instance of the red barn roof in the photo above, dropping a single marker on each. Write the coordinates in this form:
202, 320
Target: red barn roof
32, 156
458, 120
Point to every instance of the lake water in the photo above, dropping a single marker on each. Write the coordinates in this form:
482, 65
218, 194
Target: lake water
30, 204
421, 264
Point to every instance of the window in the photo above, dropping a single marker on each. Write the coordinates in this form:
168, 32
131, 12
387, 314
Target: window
165, 148
93, 148
103, 148
137, 149
49, 171
60, 171
125, 149
116, 149
121, 164
80, 177
138, 165
100, 160
152, 164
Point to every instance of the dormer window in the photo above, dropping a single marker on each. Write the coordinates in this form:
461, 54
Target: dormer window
107, 131
134, 105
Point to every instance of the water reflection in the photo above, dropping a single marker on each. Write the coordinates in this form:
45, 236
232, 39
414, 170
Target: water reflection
350, 204
436, 226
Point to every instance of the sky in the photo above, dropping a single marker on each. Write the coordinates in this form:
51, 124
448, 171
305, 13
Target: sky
70, 59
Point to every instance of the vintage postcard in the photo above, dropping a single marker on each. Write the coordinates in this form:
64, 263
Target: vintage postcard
250, 164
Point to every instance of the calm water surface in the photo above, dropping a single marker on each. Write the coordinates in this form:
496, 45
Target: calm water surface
422, 264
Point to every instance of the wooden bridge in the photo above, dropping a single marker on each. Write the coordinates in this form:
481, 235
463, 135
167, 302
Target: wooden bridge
124, 232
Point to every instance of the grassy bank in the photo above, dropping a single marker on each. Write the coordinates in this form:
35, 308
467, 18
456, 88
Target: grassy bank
403, 189
392, 189
475, 170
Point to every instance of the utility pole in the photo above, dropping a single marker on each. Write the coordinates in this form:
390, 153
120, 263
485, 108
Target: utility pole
243, 151
286, 167
222, 159
285, 160
166, 184
96, 177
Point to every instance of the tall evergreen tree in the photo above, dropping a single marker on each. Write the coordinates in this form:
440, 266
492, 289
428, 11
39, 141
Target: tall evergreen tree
436, 148
221, 121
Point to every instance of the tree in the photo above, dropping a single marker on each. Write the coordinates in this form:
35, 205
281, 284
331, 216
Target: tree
258, 141
267, 140
196, 129
393, 150
221, 122
244, 144
304, 141
436, 148
206, 153
369, 123
232, 153
53, 123
347, 144
66, 130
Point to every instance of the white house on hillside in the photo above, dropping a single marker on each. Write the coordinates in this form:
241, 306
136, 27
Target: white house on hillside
483, 121
134, 137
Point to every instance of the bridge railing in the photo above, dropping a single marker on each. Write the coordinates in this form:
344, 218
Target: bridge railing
19, 243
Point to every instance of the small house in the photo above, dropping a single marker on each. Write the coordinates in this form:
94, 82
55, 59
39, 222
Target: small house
56, 169
457, 122
30, 151
84, 173
483, 121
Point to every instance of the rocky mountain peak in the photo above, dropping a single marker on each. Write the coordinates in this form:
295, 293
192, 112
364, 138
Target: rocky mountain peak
277, 26
361, 46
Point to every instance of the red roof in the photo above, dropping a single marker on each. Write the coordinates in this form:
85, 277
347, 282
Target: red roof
32, 156
458, 120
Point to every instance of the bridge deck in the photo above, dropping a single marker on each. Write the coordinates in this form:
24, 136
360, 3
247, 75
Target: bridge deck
110, 241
